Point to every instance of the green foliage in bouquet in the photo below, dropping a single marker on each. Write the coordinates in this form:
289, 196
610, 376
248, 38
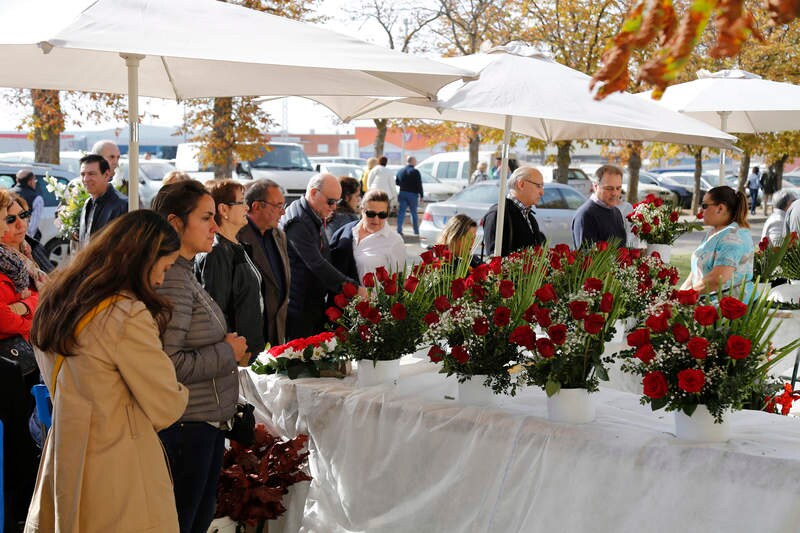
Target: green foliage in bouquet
656, 222
645, 281
480, 327
71, 198
772, 262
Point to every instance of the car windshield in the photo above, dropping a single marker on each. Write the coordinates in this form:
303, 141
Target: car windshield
283, 157
427, 177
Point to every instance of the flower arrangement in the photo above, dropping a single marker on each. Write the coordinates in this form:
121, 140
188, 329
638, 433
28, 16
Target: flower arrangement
645, 281
656, 222
690, 353
773, 262
577, 309
71, 198
308, 357
482, 327
781, 403
255, 478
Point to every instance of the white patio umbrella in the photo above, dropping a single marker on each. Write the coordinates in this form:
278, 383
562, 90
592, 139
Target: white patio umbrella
195, 48
736, 101
522, 91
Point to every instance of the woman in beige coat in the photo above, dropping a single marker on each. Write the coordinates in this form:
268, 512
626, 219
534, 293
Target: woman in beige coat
103, 468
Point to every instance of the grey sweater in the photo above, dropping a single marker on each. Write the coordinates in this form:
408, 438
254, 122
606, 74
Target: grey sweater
194, 340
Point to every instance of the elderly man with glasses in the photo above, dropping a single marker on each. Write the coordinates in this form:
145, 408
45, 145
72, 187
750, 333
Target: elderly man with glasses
520, 229
312, 273
599, 219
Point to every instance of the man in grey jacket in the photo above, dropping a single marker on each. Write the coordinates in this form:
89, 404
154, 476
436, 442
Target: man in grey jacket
312, 273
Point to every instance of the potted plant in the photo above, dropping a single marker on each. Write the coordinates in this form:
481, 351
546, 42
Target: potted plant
657, 223
480, 331
301, 358
703, 360
577, 310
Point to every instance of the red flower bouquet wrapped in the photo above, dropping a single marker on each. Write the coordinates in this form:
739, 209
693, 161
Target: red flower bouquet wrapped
309, 357
656, 222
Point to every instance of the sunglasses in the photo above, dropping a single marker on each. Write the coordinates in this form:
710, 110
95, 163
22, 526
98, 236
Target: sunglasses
330, 201
10, 219
380, 214
706, 206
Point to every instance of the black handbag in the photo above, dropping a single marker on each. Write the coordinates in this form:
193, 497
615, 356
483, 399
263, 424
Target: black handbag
17, 352
244, 425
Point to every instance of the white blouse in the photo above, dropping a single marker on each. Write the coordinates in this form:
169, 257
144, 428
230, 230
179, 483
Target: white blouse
383, 248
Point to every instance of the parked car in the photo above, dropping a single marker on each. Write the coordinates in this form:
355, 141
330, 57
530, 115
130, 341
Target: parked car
339, 169
792, 179
453, 167
68, 160
683, 194
434, 190
57, 248
337, 160
647, 187
686, 179
151, 175
554, 213
576, 178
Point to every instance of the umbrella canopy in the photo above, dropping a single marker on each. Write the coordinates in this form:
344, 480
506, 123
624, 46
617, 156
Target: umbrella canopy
195, 48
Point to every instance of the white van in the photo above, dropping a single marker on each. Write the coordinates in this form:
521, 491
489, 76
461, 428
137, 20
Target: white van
576, 178
453, 167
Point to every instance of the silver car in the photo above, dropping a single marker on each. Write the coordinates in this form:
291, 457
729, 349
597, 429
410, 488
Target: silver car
554, 213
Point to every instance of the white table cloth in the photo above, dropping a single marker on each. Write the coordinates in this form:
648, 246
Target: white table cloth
406, 459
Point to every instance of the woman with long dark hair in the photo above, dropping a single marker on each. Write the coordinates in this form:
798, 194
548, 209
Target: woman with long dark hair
96, 335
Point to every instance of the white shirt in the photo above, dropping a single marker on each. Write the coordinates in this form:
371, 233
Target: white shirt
382, 178
383, 248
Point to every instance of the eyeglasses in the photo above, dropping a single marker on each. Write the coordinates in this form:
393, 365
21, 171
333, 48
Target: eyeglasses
276, 205
233, 203
539, 185
706, 206
330, 201
380, 214
10, 219
610, 188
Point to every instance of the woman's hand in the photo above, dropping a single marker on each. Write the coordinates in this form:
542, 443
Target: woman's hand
19, 308
238, 344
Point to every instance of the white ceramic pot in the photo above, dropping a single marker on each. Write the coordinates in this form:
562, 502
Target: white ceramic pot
573, 406
700, 427
474, 392
664, 250
372, 373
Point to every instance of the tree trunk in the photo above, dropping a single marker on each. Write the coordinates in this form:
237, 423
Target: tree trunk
744, 167
380, 137
222, 141
779, 171
698, 173
634, 164
48, 123
474, 146
563, 160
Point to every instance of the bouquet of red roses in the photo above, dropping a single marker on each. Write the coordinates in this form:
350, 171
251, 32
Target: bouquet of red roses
656, 222
577, 310
645, 281
692, 353
309, 357
769, 262
481, 327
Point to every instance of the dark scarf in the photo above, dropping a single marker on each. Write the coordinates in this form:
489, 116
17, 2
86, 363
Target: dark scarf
13, 266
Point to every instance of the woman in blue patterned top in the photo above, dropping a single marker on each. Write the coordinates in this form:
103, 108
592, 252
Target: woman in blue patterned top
724, 260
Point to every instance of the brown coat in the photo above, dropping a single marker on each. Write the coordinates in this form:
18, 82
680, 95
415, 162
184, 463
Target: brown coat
103, 468
274, 308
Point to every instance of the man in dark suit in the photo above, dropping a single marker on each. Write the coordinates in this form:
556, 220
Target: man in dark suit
105, 203
520, 229
266, 205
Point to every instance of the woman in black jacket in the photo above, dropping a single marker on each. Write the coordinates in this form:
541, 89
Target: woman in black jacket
228, 273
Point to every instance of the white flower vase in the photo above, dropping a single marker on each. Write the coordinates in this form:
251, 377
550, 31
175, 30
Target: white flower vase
223, 525
664, 250
573, 406
474, 392
371, 373
700, 427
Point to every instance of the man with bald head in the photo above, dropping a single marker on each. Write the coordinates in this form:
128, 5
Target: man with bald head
312, 274
110, 152
520, 229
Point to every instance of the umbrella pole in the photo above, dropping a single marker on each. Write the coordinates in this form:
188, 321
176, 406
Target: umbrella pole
723, 125
132, 62
501, 200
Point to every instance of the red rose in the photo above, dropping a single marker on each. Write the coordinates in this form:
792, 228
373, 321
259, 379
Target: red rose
435, 353
441, 304
658, 202
731, 308
557, 333
496, 265
411, 283
382, 274
645, 353
673, 217
578, 309
363, 308
340, 300
363, 332
546, 293
592, 284
646, 228
601, 246
639, 337
369, 279
593, 323
705, 315
440, 250
689, 297
431, 318
655, 385
458, 287
398, 311
606, 302
738, 347
523, 336
680, 332
341, 333
656, 221
480, 272
658, 323
349, 290
543, 317
691, 380
635, 230
698, 347
427, 257
460, 354
480, 326
763, 244
545, 347
502, 316
506, 288
374, 315
333, 313
530, 313
390, 287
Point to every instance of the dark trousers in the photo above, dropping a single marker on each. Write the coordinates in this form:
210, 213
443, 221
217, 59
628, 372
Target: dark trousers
410, 201
195, 452
753, 200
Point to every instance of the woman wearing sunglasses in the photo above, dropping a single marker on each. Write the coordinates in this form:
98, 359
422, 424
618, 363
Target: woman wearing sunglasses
724, 259
28, 248
364, 245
